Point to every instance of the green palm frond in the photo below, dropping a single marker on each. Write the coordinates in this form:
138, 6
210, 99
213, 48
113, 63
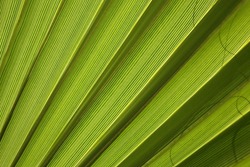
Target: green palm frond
125, 83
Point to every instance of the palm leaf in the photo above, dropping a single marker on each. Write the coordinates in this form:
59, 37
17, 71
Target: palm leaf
125, 83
